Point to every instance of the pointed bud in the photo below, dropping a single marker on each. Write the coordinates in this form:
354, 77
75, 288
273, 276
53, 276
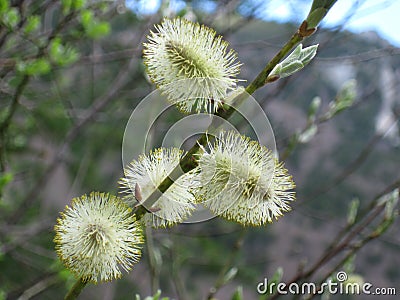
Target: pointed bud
308, 134
296, 61
344, 99
353, 211
138, 192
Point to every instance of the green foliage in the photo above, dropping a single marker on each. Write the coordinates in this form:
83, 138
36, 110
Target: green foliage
39, 66
5, 179
94, 28
68, 5
238, 295
98, 29
50, 104
77, 4
32, 24
62, 55
1, 252
10, 17
4, 4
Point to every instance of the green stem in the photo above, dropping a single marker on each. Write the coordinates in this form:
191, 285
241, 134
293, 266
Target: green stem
152, 260
188, 162
220, 282
76, 289
261, 79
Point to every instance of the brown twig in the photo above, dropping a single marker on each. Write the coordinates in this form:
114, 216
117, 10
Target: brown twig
345, 237
7, 121
98, 105
220, 282
72, 134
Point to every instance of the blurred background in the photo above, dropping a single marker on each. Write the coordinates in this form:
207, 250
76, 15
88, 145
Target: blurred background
72, 73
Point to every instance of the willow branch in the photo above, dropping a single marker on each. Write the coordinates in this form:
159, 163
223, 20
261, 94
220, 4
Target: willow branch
188, 162
76, 289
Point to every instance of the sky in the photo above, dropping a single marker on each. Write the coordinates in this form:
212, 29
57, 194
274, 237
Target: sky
377, 15
382, 16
